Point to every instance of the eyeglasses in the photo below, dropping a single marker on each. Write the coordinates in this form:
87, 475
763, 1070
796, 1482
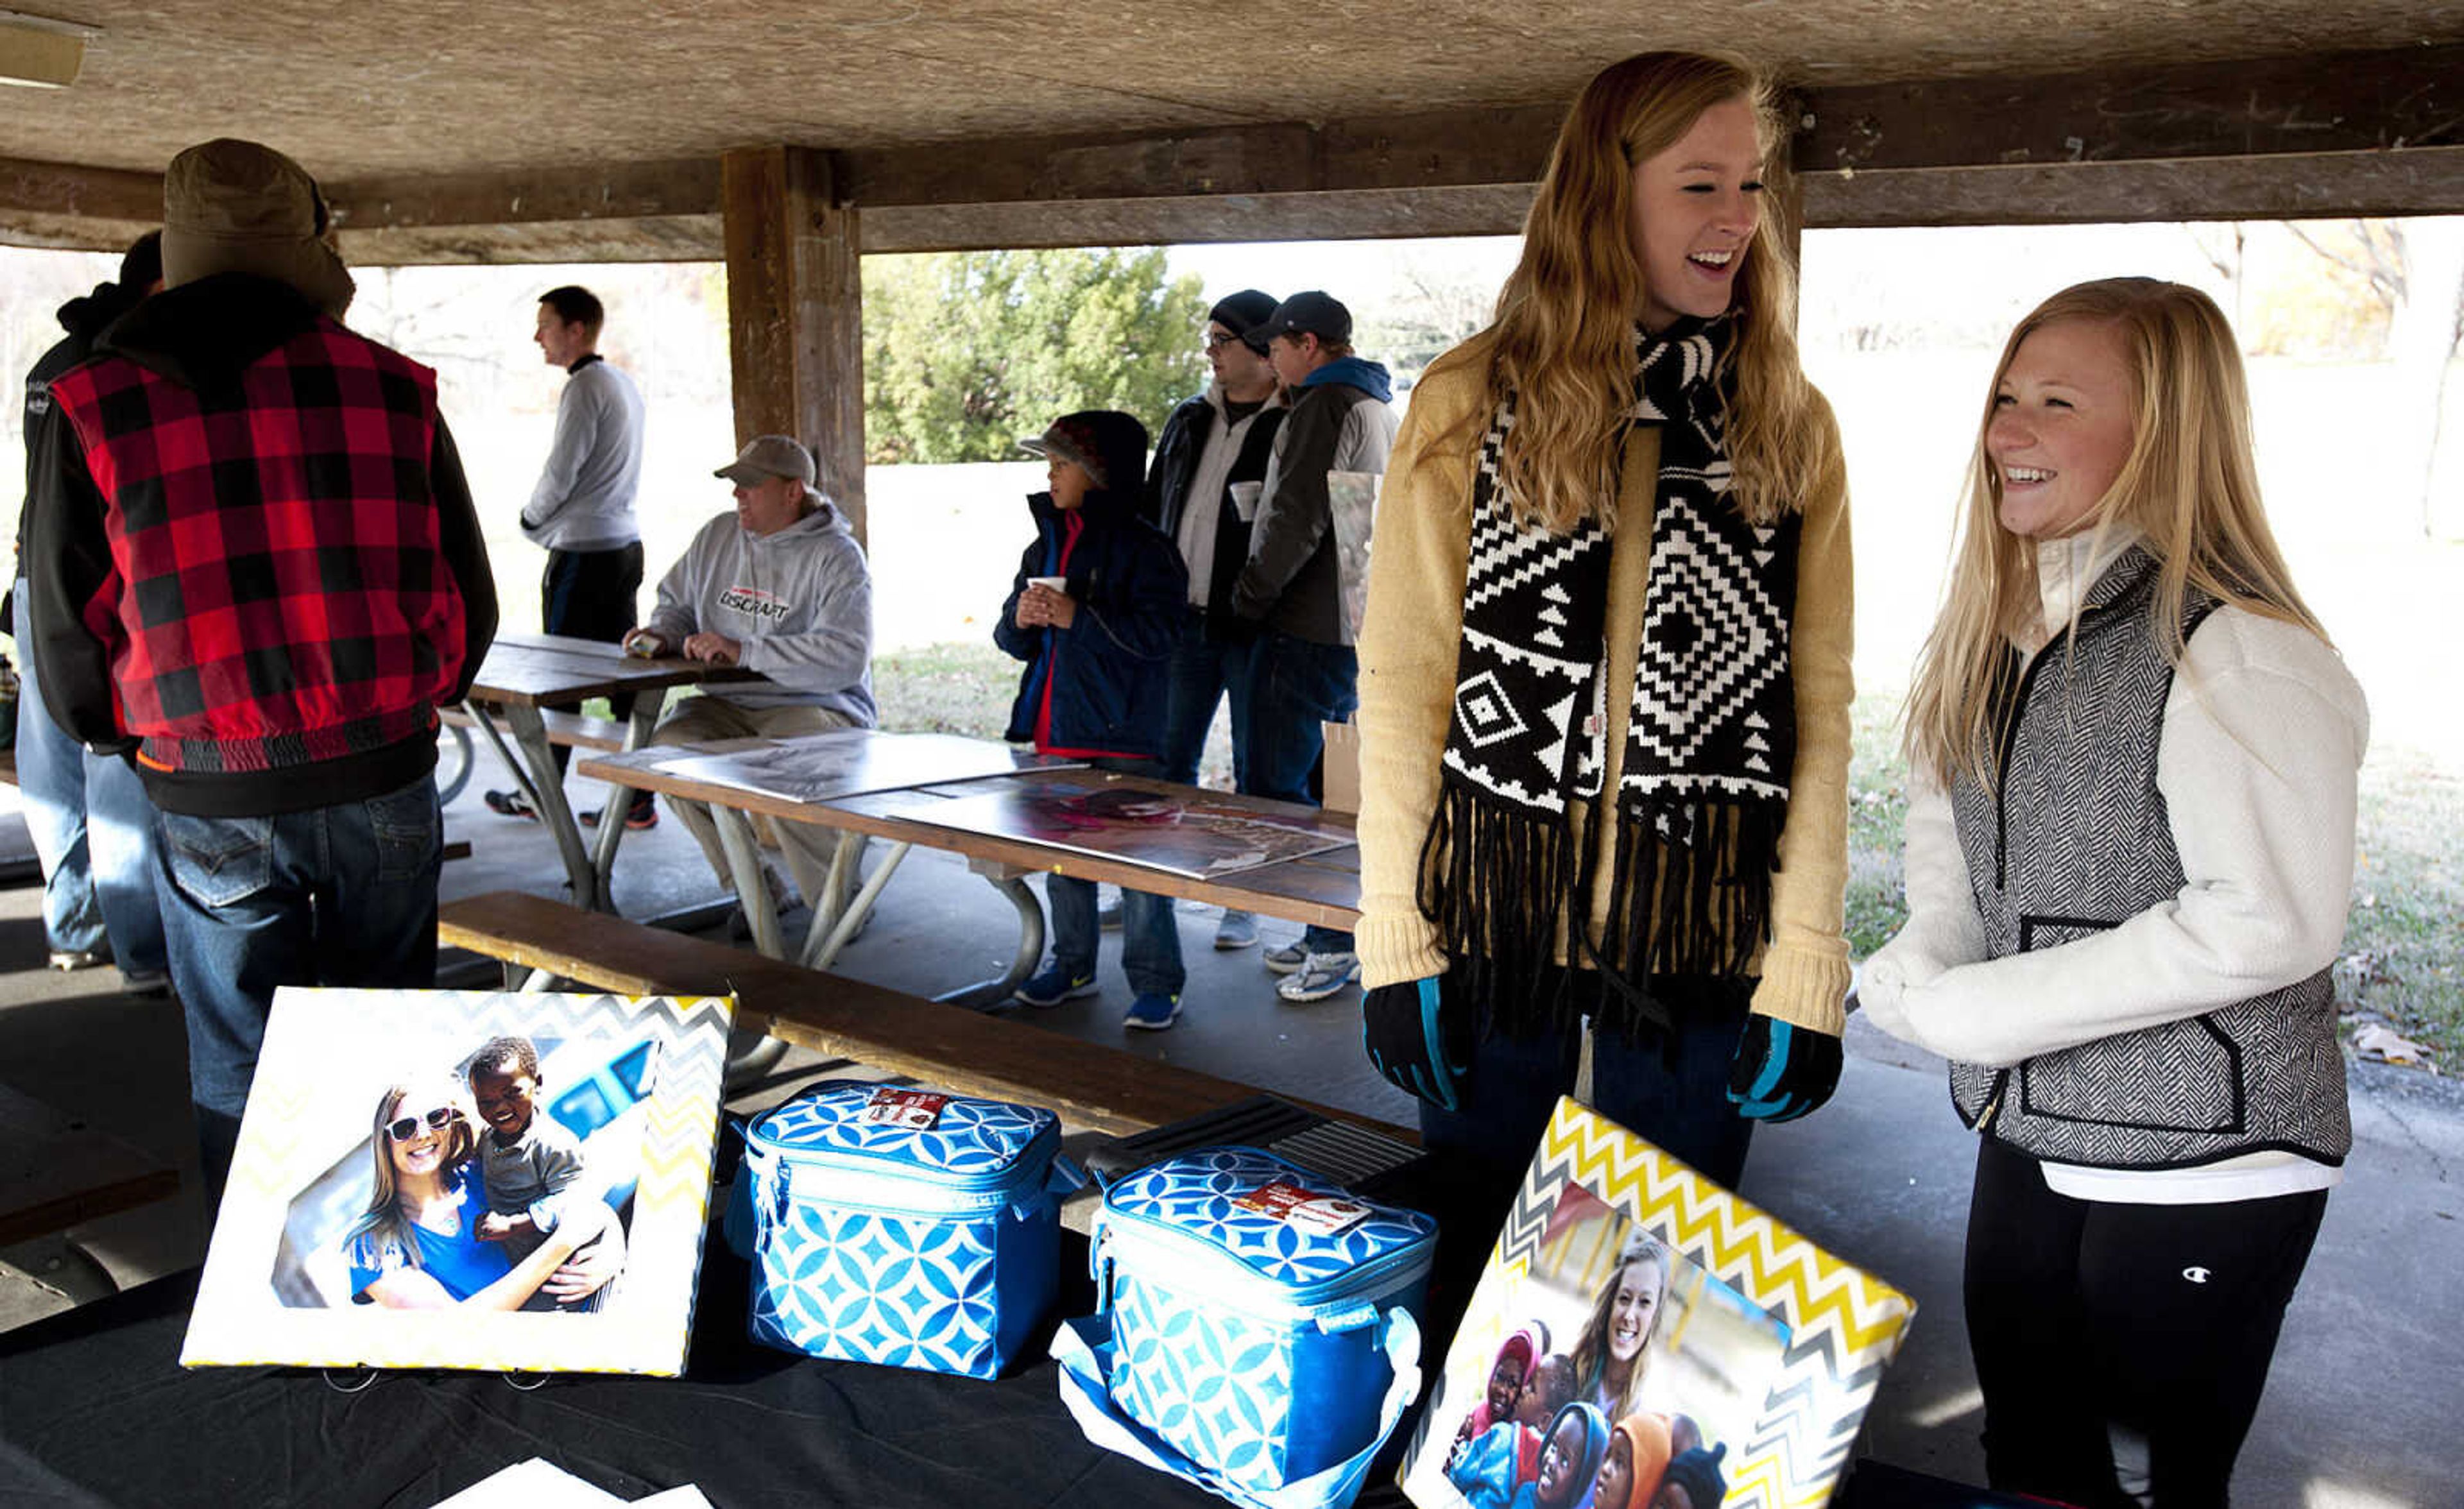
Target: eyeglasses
1215, 342
407, 1127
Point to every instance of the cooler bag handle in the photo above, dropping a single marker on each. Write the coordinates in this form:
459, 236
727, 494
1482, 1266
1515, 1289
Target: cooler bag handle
740, 1225
1084, 1347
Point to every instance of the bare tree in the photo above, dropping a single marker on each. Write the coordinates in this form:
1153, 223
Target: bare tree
2415, 269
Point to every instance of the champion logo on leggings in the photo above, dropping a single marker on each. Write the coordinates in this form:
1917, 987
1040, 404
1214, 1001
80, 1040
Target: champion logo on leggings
2196, 1275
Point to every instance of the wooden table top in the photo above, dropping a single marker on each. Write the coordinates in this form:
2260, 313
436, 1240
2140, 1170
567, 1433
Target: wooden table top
534, 669
1323, 888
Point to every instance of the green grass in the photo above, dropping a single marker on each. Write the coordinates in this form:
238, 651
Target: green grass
946, 689
2404, 943
2403, 959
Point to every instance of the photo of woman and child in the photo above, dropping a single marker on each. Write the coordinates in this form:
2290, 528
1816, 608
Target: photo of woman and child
1661, 1369
477, 1187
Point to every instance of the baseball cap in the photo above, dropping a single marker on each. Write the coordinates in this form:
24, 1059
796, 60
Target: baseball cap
766, 456
1313, 312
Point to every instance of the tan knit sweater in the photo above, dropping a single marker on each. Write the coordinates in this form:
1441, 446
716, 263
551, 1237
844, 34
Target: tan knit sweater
1422, 551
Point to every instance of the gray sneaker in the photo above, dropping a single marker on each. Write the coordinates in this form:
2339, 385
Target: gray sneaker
1285, 957
1321, 977
1237, 931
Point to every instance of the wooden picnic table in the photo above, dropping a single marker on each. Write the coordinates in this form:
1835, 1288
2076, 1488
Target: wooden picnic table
526, 673
1322, 887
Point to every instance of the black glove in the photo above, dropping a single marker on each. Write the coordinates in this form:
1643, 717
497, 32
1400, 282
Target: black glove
1782, 1071
1420, 1040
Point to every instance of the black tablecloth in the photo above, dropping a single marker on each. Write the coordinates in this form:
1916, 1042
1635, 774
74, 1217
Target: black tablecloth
95, 1409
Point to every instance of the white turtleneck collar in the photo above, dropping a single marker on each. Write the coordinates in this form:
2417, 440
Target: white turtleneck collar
2065, 569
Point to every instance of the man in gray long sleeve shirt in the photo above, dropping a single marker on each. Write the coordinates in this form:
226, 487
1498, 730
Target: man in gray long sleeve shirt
583, 508
782, 587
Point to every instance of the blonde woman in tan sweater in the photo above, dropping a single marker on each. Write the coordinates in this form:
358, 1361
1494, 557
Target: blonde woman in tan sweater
1605, 669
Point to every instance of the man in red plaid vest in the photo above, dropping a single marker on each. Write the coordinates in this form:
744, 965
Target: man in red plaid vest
259, 576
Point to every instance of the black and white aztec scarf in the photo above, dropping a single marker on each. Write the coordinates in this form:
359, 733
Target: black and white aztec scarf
1711, 734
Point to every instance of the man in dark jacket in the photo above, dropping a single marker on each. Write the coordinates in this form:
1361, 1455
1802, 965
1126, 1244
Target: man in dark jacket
1211, 458
261, 572
1093, 613
92, 825
1307, 559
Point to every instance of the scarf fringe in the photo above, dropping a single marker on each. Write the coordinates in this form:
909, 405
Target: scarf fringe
1496, 882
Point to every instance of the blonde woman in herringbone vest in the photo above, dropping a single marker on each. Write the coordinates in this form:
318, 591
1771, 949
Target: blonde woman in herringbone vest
2129, 851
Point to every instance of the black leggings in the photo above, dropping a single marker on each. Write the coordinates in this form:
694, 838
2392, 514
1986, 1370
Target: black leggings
2091, 1320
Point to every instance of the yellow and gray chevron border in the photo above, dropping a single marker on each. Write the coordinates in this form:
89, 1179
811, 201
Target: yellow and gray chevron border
1844, 1325
325, 1052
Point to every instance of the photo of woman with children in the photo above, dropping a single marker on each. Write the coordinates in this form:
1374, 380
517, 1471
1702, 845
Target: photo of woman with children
502, 1182
1624, 1373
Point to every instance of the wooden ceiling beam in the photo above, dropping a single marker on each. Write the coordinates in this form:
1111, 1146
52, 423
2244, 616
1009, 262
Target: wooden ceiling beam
2321, 102
619, 191
2418, 181
2322, 135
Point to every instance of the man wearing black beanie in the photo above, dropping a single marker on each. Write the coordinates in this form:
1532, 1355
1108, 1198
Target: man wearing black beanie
1211, 453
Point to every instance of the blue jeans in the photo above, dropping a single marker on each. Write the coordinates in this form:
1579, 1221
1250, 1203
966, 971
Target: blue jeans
1672, 1091
1294, 686
1204, 672
93, 828
1149, 938
343, 895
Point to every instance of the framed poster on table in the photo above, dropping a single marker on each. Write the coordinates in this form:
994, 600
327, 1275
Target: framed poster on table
451, 1179
1645, 1339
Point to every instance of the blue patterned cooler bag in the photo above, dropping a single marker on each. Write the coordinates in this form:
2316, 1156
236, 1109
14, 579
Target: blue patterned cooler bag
902, 1226
1261, 1322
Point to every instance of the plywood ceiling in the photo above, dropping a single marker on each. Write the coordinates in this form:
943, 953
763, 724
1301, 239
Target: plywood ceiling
354, 89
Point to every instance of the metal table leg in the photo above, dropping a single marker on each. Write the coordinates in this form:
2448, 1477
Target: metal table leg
1009, 881
752, 891
612, 813
827, 936
547, 794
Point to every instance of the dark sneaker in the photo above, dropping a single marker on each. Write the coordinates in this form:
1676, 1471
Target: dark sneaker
1056, 985
510, 805
1285, 957
1152, 1013
149, 985
638, 816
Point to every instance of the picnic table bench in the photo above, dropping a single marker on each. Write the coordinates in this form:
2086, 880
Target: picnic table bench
56, 1173
1092, 1086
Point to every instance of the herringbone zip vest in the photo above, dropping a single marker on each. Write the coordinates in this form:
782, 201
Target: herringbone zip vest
2077, 840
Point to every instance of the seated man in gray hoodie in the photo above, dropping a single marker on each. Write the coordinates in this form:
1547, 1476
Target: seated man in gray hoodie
779, 586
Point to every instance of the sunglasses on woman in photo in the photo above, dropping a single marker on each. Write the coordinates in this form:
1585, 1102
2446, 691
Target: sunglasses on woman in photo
407, 1127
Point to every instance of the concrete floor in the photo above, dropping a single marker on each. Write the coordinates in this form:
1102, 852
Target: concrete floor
2367, 1383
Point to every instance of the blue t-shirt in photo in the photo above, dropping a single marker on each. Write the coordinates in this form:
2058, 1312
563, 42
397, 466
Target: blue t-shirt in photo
462, 1262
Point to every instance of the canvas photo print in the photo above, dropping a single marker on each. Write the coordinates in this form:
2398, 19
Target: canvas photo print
1643, 1339
521, 1147
465, 1179
1623, 1377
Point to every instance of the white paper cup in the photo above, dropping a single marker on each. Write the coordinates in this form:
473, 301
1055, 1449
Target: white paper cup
1059, 584
1245, 500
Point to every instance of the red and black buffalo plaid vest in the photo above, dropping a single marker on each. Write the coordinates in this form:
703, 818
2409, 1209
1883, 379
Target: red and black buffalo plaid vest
279, 597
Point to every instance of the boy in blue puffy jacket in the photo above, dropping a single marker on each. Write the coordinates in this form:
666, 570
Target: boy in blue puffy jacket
1093, 613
